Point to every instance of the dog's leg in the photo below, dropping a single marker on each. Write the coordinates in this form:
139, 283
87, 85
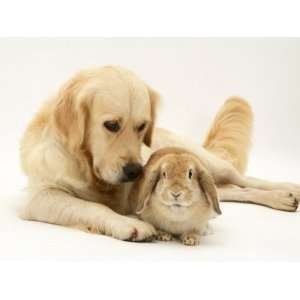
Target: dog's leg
278, 199
58, 207
225, 173
233, 177
222, 171
268, 185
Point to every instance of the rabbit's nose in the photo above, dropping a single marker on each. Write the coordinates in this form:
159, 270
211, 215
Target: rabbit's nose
175, 194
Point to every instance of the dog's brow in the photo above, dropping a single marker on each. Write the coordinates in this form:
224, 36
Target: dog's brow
141, 122
110, 117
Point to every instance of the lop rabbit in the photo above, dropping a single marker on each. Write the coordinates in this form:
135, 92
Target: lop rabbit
177, 195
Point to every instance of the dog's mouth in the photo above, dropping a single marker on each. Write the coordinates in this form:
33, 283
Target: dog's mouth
125, 179
109, 177
117, 175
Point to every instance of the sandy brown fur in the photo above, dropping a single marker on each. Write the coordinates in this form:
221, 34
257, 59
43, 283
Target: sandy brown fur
167, 172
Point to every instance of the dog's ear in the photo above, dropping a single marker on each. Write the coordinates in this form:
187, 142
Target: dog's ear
147, 185
207, 184
154, 101
70, 117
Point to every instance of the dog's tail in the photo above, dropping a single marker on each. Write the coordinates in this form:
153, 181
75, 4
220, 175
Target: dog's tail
230, 135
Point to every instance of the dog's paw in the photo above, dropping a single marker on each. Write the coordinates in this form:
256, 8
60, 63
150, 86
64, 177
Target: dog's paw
129, 229
163, 236
284, 200
190, 239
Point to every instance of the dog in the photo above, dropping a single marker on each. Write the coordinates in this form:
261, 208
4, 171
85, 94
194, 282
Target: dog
86, 146
82, 151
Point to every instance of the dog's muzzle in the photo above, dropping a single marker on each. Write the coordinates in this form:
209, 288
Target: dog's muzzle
131, 172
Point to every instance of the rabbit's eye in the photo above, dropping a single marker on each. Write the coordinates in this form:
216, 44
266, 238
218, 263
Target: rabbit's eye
190, 174
164, 174
141, 127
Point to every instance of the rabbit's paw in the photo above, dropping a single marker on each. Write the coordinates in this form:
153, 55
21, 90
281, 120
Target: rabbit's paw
163, 236
190, 239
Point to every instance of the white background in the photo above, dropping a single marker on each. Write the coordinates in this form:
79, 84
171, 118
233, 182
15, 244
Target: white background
141, 18
194, 77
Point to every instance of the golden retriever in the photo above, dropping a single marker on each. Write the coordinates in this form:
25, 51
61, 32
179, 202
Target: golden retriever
87, 144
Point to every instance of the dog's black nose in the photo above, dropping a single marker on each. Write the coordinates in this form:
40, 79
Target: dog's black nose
132, 171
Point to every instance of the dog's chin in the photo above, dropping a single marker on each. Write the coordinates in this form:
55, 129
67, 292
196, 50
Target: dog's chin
125, 179
111, 178
113, 181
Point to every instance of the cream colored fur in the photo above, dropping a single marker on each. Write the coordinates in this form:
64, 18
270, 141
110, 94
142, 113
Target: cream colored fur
74, 165
230, 134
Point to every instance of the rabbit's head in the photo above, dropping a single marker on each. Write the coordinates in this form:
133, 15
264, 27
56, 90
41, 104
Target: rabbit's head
178, 179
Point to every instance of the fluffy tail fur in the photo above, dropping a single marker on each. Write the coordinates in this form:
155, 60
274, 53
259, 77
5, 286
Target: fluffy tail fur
230, 135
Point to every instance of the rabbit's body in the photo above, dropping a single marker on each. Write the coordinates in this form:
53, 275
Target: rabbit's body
177, 195
177, 220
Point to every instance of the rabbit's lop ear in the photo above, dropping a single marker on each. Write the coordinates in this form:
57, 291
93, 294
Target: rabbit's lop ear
208, 186
146, 186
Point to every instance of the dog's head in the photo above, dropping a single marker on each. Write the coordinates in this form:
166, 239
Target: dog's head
107, 114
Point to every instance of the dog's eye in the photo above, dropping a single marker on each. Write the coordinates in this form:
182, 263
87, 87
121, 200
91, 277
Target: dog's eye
141, 127
112, 126
190, 174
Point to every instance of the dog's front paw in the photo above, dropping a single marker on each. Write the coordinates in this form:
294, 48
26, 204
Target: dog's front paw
129, 229
190, 239
163, 236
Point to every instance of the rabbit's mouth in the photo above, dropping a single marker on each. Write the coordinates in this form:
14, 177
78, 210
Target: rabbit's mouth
176, 205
